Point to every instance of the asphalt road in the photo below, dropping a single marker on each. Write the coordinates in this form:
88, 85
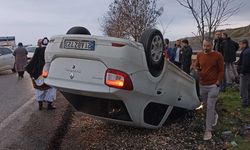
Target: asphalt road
22, 125
13, 93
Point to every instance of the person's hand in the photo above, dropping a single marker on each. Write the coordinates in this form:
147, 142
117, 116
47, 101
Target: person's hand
217, 83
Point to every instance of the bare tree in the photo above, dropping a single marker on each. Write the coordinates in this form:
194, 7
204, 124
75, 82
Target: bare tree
210, 14
164, 26
129, 18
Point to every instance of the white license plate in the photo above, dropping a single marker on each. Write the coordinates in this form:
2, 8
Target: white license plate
79, 44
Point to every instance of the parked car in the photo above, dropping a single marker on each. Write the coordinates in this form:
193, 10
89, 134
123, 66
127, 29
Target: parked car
118, 79
31, 51
7, 60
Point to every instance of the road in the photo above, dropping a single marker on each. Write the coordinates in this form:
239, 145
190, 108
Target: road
14, 93
22, 125
17, 100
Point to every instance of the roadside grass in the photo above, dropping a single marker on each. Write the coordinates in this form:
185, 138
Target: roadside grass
233, 118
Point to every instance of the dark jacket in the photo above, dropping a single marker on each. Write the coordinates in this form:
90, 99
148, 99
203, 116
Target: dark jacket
218, 45
187, 58
171, 54
229, 48
35, 66
244, 62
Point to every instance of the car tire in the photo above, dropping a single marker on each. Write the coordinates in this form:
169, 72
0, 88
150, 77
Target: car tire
153, 44
78, 30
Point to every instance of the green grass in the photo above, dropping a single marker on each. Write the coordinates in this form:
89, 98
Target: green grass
233, 117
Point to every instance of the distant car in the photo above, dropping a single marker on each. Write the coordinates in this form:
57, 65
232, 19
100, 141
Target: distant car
31, 51
7, 60
118, 79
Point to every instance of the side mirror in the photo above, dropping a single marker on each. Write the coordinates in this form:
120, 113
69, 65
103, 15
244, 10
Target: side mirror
1, 54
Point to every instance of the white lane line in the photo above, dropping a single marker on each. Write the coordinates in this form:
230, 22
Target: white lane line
13, 116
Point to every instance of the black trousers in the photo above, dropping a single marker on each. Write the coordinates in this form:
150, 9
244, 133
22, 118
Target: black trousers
186, 68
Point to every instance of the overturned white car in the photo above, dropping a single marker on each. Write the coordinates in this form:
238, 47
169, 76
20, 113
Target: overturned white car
118, 79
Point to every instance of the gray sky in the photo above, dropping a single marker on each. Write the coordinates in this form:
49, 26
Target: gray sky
29, 20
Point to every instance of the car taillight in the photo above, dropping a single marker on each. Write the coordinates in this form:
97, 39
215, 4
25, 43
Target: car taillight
45, 74
118, 79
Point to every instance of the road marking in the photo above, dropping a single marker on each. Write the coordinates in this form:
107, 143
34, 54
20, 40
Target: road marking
14, 115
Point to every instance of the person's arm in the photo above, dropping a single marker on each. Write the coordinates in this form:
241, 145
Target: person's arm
190, 52
220, 69
26, 52
236, 45
197, 63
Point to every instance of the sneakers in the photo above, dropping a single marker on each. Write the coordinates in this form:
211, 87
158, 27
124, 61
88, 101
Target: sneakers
207, 135
215, 120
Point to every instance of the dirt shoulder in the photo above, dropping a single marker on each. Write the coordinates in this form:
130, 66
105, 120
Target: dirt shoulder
184, 133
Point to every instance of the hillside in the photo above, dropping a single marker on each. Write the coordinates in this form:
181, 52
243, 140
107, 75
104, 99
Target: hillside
236, 34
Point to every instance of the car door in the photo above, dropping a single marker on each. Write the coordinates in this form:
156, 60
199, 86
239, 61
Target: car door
2, 59
10, 58
177, 88
7, 59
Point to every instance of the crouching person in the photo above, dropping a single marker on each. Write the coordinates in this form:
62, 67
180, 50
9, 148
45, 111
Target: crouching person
43, 92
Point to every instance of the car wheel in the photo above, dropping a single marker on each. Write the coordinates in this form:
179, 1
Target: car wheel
153, 44
78, 30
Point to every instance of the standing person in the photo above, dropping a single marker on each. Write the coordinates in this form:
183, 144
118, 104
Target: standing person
244, 71
186, 56
169, 51
178, 53
210, 67
218, 47
229, 48
43, 92
218, 42
20, 54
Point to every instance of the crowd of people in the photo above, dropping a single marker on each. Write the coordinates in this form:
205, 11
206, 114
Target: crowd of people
217, 69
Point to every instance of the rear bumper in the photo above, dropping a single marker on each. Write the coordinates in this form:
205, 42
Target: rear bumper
129, 111
101, 107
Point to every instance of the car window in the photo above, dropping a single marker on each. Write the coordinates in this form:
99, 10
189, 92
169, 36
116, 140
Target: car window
31, 49
5, 51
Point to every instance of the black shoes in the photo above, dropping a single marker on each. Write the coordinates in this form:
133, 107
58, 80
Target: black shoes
49, 107
40, 105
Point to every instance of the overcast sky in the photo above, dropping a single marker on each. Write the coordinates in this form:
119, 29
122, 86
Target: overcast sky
29, 20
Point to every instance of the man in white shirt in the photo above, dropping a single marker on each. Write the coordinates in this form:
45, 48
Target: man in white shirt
178, 53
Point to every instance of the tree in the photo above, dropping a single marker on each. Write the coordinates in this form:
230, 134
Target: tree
210, 14
129, 18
